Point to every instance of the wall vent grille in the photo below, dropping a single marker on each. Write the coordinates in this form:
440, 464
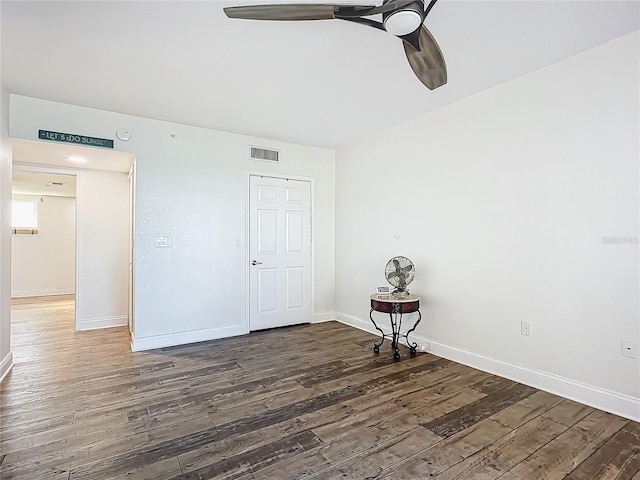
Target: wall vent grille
264, 154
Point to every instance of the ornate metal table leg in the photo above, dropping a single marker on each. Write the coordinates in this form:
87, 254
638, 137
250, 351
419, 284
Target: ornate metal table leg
395, 326
376, 346
413, 346
393, 330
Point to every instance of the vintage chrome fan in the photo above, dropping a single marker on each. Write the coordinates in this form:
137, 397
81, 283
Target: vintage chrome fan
401, 18
399, 272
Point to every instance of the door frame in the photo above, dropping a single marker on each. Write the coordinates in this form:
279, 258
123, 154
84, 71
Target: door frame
247, 249
77, 173
53, 170
132, 249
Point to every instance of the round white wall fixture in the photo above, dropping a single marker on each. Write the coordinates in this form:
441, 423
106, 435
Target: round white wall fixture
123, 134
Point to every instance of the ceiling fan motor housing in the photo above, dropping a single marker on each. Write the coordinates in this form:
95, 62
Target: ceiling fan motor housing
405, 20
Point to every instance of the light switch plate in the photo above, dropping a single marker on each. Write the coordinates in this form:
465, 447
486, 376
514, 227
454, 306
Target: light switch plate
164, 242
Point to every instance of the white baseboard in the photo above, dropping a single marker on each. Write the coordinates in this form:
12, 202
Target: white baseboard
323, 317
42, 292
607, 400
181, 338
102, 322
6, 365
365, 325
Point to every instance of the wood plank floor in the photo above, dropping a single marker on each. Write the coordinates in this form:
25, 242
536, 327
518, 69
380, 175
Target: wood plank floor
302, 402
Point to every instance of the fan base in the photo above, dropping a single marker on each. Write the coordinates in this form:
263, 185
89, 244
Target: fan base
400, 293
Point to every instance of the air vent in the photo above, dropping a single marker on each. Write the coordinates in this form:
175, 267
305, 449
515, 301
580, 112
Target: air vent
264, 154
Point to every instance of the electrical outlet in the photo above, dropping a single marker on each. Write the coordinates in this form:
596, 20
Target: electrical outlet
629, 348
525, 328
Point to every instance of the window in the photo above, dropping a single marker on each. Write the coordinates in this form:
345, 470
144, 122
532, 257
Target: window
24, 216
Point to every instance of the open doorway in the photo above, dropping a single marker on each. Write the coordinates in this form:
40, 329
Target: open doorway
43, 252
100, 262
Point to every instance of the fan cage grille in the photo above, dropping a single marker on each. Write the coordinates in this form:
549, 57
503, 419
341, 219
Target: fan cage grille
404, 268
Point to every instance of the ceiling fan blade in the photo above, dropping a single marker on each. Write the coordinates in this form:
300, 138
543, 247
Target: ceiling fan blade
428, 63
293, 12
373, 10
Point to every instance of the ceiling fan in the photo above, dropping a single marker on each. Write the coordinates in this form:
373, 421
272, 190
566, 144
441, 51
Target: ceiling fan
402, 18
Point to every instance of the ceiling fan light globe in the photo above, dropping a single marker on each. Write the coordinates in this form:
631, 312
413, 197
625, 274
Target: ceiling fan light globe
402, 22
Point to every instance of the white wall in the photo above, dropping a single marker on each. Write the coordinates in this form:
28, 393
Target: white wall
6, 357
103, 247
191, 184
503, 201
45, 264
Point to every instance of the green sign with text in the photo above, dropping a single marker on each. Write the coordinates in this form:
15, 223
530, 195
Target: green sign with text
73, 138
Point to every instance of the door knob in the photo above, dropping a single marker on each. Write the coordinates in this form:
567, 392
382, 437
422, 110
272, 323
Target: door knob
255, 262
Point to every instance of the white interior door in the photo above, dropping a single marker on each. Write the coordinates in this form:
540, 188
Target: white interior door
279, 252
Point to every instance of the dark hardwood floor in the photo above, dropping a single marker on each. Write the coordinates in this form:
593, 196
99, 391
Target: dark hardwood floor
302, 402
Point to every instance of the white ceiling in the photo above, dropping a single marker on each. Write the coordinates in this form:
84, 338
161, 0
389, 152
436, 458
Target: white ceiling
323, 83
70, 157
29, 183
61, 158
